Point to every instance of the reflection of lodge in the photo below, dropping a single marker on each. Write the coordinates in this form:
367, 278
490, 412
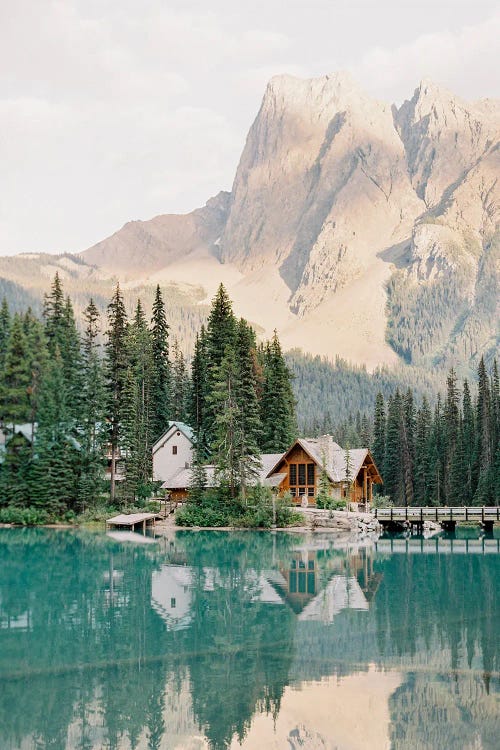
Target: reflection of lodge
316, 583
318, 587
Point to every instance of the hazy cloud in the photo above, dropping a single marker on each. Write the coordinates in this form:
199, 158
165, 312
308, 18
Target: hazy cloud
113, 110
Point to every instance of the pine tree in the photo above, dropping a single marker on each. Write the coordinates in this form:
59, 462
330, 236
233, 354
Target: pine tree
378, 445
198, 391
435, 456
349, 478
55, 472
408, 446
198, 479
180, 384
15, 409
220, 334
279, 426
14, 394
221, 327
71, 357
451, 419
422, 447
38, 357
250, 427
136, 418
4, 331
226, 444
483, 494
469, 440
393, 464
54, 315
116, 367
161, 386
93, 410
324, 496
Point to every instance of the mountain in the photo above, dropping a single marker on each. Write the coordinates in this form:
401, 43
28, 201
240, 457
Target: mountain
356, 228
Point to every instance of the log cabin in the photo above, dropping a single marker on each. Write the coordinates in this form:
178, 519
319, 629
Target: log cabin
303, 463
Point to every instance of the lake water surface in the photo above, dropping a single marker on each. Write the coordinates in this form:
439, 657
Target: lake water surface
220, 640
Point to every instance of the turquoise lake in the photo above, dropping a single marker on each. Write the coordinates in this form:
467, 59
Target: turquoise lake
256, 640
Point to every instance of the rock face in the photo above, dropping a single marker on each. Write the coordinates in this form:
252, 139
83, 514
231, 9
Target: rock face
322, 186
356, 228
147, 246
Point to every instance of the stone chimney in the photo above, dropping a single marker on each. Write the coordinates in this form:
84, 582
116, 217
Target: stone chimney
325, 443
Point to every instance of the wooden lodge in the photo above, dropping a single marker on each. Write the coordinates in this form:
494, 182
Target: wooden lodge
302, 465
298, 472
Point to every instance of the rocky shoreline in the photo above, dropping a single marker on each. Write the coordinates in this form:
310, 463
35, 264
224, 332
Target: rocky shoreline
360, 524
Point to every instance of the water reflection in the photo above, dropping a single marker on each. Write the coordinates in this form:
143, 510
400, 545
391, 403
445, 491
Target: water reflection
209, 640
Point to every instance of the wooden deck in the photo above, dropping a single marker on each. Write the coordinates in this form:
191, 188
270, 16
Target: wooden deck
447, 517
132, 521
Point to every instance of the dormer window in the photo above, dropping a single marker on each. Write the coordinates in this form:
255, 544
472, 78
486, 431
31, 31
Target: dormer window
174, 450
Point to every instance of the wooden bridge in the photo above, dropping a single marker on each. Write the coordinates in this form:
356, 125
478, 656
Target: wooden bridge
446, 517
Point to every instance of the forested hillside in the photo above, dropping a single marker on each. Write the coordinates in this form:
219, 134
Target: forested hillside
71, 402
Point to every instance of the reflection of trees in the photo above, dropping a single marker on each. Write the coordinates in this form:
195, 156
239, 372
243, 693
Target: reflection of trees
241, 646
84, 639
431, 711
439, 604
83, 650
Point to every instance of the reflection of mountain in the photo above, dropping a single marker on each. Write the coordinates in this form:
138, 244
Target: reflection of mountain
193, 641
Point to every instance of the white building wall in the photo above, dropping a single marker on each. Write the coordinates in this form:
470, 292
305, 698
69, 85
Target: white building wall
165, 461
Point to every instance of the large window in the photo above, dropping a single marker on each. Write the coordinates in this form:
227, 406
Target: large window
302, 478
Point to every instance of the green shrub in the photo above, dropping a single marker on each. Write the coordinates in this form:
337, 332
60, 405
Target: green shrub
201, 515
25, 516
330, 503
256, 512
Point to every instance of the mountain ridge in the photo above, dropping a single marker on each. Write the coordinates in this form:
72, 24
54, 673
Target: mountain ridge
357, 228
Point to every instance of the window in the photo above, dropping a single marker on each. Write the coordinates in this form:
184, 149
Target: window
172, 603
310, 473
302, 473
302, 479
174, 450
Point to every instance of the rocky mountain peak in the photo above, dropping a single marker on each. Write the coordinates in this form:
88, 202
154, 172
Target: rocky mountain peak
351, 224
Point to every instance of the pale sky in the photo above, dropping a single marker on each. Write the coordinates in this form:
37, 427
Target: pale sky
113, 110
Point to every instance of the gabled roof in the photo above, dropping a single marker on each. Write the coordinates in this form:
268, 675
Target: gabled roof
182, 477
174, 426
325, 450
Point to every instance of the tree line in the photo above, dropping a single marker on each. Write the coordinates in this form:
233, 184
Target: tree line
445, 455
87, 400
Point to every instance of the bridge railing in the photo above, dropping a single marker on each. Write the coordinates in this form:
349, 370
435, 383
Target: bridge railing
427, 513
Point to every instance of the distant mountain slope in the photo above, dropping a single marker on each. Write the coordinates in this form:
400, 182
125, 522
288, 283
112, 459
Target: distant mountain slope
147, 246
357, 229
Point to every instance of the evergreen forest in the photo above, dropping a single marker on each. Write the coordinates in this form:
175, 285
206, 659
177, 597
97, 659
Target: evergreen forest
81, 408
76, 405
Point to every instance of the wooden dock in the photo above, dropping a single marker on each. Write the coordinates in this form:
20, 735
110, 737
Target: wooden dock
132, 521
446, 517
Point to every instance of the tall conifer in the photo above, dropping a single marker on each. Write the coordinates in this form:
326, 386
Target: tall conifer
161, 385
116, 367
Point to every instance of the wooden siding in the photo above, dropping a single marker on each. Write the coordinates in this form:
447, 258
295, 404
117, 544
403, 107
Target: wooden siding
361, 488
